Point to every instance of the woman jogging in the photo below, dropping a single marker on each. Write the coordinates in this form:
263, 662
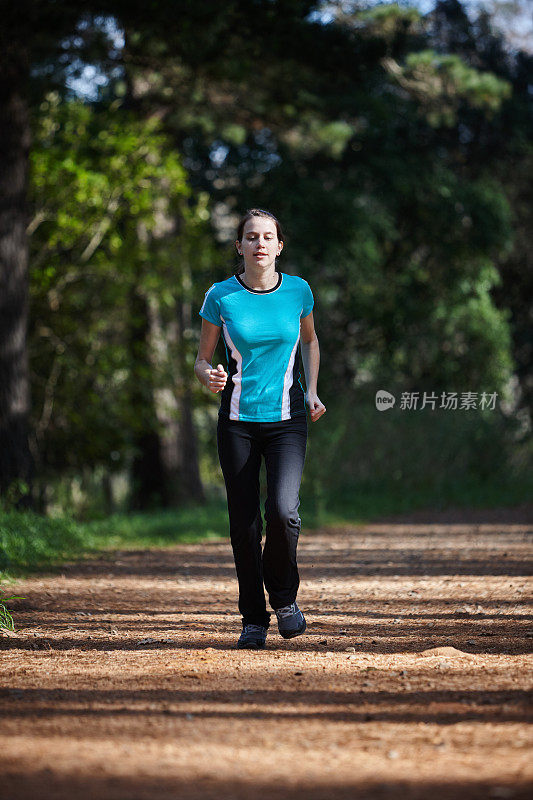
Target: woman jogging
263, 314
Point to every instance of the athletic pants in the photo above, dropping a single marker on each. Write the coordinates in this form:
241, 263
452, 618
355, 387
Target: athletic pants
283, 445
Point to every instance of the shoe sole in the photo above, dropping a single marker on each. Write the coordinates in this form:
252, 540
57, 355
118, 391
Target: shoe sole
251, 646
292, 634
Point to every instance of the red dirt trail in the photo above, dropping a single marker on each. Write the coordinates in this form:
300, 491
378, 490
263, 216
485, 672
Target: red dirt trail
123, 683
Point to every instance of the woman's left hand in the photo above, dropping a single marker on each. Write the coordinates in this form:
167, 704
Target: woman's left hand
316, 408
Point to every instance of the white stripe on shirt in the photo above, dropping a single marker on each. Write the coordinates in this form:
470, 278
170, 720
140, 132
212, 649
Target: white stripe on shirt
287, 384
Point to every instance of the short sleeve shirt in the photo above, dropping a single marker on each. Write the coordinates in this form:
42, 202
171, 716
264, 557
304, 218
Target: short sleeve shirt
261, 331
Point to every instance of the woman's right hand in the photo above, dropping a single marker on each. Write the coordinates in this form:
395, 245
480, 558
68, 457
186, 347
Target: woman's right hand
217, 379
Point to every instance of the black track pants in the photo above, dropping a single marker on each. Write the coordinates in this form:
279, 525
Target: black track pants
240, 447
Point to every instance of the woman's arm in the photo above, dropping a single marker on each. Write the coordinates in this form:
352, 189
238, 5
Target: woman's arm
311, 361
213, 379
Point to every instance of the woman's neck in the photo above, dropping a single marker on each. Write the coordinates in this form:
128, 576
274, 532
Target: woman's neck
258, 279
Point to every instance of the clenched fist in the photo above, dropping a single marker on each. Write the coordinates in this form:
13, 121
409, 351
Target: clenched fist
217, 379
316, 407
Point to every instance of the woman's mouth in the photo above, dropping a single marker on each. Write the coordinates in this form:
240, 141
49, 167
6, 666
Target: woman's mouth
260, 255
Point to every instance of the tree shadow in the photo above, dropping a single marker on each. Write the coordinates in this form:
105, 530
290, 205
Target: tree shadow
443, 707
51, 785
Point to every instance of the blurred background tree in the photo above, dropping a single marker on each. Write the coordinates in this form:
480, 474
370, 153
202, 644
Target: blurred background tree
108, 263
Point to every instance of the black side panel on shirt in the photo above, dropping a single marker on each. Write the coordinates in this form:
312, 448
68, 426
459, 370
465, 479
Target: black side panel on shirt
296, 395
227, 391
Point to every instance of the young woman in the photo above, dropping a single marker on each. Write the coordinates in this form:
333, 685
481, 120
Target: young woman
263, 314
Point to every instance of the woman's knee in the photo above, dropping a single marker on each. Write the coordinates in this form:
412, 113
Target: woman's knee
282, 513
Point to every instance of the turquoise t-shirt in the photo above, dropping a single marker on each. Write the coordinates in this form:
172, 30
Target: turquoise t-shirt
261, 331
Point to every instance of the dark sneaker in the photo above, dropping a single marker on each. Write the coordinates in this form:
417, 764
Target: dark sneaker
253, 637
291, 621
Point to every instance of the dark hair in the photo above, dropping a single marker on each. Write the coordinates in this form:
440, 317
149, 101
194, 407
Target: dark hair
255, 212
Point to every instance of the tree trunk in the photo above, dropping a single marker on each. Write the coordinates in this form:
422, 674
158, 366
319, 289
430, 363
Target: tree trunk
188, 440
172, 404
147, 472
16, 468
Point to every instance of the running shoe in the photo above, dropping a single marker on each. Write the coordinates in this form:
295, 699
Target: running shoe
253, 637
291, 621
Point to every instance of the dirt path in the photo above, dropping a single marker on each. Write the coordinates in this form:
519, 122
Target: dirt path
123, 681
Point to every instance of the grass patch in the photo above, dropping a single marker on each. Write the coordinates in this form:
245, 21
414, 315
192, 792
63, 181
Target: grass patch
160, 528
32, 543
28, 541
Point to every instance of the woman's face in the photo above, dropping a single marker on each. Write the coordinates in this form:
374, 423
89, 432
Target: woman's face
260, 244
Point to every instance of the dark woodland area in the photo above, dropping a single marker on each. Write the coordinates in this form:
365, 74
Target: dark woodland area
395, 147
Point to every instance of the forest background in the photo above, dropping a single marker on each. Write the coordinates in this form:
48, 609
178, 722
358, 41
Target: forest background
393, 142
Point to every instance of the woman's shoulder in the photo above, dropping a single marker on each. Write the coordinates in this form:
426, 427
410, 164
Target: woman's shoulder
221, 287
295, 279
300, 284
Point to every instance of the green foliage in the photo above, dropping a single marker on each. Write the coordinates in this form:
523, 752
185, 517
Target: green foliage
15, 495
6, 619
441, 83
365, 461
388, 17
113, 218
478, 334
95, 177
311, 136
